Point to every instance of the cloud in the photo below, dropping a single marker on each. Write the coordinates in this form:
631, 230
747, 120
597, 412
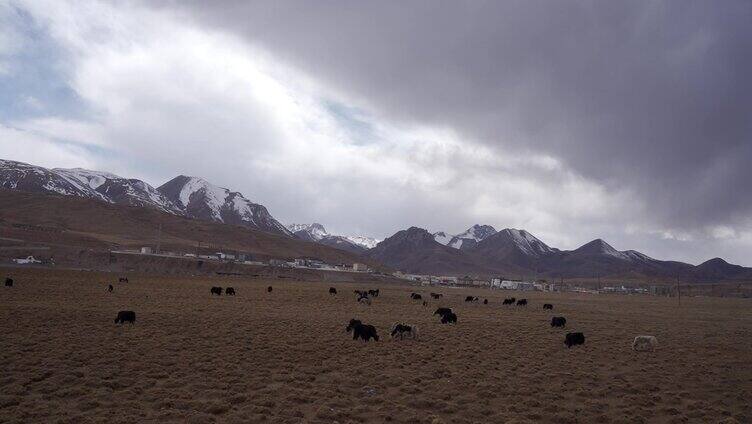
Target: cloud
574, 121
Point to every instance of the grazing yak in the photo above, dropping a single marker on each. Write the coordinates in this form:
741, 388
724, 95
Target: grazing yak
365, 300
359, 294
332, 291
365, 332
522, 302
269, 289
485, 301
437, 295
450, 318
645, 343
8, 282
471, 299
230, 291
123, 280
416, 296
509, 301
404, 331
558, 322
548, 306
443, 311
110, 288
216, 290
573, 339
374, 293
124, 316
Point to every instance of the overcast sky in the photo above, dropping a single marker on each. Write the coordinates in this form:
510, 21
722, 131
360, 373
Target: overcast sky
627, 121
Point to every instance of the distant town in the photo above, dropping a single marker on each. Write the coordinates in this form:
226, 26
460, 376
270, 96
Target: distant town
495, 283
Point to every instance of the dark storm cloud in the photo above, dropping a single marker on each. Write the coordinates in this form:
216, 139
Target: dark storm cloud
651, 97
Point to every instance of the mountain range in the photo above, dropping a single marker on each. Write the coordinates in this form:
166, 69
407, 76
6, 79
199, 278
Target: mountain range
481, 250
186, 196
513, 253
317, 233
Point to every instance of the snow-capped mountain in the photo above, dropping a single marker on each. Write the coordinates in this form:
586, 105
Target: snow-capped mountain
119, 190
472, 236
511, 248
416, 250
97, 185
316, 232
310, 232
192, 197
200, 199
527, 243
600, 247
367, 242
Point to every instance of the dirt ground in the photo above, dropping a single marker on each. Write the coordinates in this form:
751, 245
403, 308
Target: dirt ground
285, 357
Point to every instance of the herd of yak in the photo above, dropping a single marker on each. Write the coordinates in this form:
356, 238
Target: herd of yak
367, 332
401, 330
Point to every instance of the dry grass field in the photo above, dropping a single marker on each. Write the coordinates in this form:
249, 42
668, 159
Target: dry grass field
285, 357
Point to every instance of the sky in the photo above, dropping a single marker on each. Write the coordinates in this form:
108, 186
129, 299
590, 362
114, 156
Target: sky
575, 120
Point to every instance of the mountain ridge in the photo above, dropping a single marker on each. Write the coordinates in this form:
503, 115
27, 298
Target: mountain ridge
186, 196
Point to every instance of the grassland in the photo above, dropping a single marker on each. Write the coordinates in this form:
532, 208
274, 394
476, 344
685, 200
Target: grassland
285, 357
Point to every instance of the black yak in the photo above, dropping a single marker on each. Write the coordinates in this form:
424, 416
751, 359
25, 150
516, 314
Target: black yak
548, 306
365, 332
216, 290
332, 291
230, 291
124, 316
573, 339
522, 302
558, 322
443, 311
450, 318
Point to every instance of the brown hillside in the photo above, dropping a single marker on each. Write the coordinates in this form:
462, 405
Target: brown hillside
33, 221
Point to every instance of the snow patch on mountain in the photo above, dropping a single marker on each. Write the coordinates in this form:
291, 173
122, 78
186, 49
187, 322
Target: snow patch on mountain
315, 231
214, 197
528, 243
471, 236
367, 242
442, 237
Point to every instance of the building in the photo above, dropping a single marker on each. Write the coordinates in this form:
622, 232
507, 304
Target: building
512, 285
358, 267
465, 281
146, 251
27, 260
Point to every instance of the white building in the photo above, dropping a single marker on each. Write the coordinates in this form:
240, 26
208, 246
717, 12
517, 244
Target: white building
358, 267
27, 260
146, 251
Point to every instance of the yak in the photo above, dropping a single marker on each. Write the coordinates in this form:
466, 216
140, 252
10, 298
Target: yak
365, 332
